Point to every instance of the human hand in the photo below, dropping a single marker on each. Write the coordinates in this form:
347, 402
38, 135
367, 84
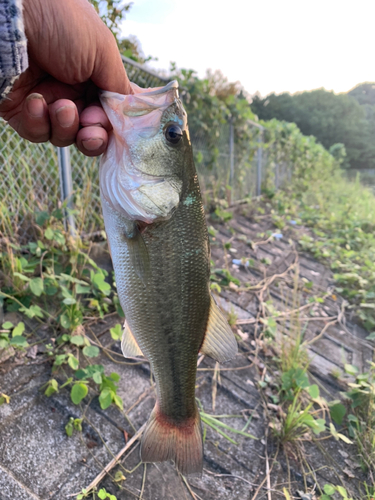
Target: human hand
71, 54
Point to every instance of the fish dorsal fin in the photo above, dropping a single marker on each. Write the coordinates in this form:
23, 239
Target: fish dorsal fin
129, 346
219, 342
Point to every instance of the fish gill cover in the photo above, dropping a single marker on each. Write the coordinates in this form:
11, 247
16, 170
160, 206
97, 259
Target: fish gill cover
127, 182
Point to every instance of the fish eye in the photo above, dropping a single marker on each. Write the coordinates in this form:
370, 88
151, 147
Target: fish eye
173, 133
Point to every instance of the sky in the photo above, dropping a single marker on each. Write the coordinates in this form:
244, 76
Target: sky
267, 45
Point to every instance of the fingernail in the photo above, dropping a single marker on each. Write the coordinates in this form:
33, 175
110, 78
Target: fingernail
35, 105
92, 144
65, 116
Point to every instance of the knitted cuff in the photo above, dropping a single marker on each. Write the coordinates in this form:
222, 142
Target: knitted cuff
13, 44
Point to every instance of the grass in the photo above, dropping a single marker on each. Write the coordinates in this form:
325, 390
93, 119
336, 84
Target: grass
340, 216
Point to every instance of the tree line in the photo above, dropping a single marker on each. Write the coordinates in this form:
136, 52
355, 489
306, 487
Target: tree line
334, 119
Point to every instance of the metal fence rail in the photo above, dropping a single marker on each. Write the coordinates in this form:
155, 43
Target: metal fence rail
36, 177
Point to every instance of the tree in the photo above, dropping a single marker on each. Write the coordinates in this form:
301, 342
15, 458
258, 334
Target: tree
331, 118
113, 12
364, 93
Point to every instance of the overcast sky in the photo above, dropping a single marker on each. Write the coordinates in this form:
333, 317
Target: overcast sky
267, 45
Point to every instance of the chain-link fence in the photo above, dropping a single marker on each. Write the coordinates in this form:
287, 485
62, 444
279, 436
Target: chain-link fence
36, 177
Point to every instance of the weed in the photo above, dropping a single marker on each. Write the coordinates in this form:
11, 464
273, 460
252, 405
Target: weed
361, 419
341, 217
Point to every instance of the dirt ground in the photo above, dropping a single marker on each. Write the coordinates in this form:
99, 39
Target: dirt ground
39, 461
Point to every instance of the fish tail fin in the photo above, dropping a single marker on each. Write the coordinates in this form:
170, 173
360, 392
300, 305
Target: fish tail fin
182, 442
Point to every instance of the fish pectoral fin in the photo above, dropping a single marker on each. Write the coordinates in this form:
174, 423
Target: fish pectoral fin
219, 342
139, 256
129, 346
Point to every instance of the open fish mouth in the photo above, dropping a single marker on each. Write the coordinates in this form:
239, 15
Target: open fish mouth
126, 183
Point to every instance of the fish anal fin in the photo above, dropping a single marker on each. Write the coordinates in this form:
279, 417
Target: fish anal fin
182, 442
219, 342
129, 346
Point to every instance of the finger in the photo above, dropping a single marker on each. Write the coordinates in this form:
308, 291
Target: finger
92, 141
64, 122
94, 115
109, 72
33, 121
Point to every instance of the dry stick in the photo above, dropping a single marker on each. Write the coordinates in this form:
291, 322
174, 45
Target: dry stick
235, 477
268, 471
114, 461
309, 342
143, 481
194, 495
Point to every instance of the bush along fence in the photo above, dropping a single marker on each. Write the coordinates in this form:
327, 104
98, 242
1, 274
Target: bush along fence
236, 156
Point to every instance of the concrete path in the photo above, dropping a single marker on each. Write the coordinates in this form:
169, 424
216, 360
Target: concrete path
39, 461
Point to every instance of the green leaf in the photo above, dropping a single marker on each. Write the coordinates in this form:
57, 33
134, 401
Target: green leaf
21, 276
329, 489
73, 362
4, 342
37, 286
52, 388
59, 237
77, 340
65, 321
82, 289
313, 390
41, 217
102, 494
51, 290
371, 336
91, 351
32, 311
19, 329
97, 377
105, 398
115, 376
116, 332
319, 426
81, 374
118, 401
58, 214
98, 280
351, 370
337, 412
69, 428
78, 392
48, 233
18, 341
7, 325
342, 491
60, 359
69, 301
78, 424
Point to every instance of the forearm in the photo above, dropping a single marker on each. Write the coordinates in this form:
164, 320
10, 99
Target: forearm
13, 44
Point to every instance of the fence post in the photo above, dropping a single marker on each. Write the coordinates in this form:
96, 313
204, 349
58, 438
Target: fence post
66, 184
259, 163
231, 152
276, 176
231, 161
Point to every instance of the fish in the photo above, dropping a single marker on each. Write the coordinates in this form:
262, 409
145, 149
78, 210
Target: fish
157, 235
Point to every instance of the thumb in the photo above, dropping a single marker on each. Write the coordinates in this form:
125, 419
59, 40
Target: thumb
109, 72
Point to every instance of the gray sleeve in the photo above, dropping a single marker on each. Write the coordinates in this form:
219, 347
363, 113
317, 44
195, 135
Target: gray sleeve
13, 44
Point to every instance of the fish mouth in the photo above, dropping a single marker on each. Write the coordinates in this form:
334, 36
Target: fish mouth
139, 90
161, 90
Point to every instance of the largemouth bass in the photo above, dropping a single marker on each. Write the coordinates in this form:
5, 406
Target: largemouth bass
158, 239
